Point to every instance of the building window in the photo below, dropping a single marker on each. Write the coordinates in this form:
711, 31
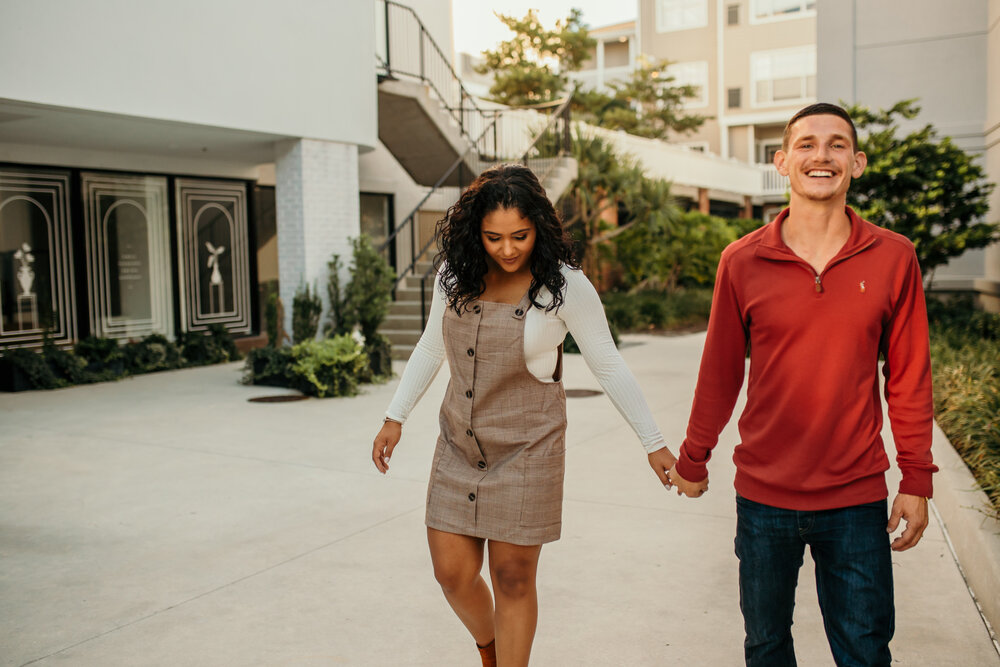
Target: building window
681, 14
733, 15
734, 96
767, 149
779, 10
692, 74
786, 76
377, 222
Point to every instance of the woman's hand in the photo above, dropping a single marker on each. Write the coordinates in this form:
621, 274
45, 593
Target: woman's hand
661, 461
385, 442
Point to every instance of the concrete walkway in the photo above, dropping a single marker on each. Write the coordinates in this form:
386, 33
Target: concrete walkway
165, 520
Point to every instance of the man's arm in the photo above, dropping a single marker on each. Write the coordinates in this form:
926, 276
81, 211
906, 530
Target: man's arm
907, 371
723, 364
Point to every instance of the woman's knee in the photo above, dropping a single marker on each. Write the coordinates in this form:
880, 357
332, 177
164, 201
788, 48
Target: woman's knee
514, 579
454, 575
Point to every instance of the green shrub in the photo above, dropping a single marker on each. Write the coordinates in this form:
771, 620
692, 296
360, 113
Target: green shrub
965, 349
379, 351
680, 309
104, 359
269, 366
26, 369
306, 309
678, 251
69, 368
329, 367
152, 353
214, 346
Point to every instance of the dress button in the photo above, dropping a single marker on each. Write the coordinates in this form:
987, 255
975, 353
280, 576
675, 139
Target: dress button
472, 496
468, 394
482, 465
468, 432
519, 312
476, 309
471, 352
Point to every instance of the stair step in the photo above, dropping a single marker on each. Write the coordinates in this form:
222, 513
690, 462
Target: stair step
402, 352
401, 336
402, 322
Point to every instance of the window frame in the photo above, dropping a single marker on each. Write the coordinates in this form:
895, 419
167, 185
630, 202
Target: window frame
795, 52
660, 11
802, 13
702, 65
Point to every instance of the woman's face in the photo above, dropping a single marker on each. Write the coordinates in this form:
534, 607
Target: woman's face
508, 238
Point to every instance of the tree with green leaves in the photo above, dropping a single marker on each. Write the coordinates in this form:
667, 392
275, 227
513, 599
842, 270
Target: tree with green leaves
921, 186
531, 66
648, 104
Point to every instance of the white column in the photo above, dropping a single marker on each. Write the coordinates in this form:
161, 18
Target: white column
318, 213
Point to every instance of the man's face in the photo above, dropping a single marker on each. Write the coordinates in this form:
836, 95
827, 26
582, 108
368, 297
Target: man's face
820, 160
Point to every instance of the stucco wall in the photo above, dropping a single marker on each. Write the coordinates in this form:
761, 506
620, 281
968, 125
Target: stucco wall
302, 68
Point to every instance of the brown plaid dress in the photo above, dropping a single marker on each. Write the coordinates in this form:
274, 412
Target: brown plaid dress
499, 462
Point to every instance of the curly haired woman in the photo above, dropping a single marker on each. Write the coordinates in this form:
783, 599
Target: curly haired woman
507, 292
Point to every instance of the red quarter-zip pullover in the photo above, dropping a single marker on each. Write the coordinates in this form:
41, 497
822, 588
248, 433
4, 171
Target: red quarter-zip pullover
811, 428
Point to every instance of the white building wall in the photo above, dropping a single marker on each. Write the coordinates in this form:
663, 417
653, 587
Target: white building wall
316, 180
878, 52
298, 68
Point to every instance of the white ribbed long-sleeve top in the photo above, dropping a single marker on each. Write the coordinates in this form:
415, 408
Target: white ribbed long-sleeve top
582, 314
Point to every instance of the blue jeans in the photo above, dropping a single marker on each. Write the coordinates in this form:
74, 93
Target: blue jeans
850, 547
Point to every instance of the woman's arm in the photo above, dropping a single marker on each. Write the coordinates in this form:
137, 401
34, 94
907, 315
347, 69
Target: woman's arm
583, 313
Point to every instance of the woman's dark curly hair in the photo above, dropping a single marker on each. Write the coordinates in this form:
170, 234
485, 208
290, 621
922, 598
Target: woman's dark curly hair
461, 247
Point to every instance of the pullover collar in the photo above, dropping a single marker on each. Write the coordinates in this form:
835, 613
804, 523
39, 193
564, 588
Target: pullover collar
771, 246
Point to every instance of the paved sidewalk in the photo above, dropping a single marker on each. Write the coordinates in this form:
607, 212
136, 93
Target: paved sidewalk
164, 520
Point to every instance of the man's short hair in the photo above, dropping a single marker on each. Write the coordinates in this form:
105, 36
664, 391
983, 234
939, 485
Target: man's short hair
820, 108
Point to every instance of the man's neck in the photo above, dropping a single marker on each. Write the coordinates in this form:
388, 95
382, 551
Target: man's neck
816, 231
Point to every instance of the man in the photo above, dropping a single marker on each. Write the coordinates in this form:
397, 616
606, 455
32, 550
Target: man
817, 295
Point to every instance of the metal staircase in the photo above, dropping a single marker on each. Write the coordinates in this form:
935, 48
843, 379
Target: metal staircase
444, 139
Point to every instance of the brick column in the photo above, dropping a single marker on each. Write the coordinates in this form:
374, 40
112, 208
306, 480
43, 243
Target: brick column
318, 212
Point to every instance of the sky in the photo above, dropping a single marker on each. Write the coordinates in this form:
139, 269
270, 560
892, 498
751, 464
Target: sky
476, 27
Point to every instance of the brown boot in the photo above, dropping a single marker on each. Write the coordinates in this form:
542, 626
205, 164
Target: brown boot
488, 653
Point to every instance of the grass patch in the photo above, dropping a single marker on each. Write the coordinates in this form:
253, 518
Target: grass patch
965, 351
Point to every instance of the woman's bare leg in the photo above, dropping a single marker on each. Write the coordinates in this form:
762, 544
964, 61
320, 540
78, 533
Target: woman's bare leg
458, 561
513, 568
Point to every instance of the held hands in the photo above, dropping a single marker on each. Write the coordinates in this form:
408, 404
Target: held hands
912, 510
689, 489
386, 440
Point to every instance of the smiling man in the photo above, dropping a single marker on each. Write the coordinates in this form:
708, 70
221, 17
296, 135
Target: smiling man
817, 295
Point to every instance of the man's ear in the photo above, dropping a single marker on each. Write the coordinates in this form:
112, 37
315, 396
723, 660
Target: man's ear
779, 161
860, 162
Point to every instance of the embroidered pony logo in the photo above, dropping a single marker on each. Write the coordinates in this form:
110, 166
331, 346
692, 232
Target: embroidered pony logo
861, 286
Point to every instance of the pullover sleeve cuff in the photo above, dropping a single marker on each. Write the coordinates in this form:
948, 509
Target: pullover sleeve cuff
915, 483
691, 468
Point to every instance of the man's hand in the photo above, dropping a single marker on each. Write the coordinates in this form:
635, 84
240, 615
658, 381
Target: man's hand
689, 489
661, 461
912, 510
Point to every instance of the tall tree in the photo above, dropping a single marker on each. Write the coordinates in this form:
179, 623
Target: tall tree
921, 185
531, 66
648, 104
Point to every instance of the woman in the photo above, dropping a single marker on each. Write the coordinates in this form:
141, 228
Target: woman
506, 294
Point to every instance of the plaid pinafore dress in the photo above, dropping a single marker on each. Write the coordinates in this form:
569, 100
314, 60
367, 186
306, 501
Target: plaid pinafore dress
500, 458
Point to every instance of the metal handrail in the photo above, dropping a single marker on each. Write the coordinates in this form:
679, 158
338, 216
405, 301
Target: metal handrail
425, 40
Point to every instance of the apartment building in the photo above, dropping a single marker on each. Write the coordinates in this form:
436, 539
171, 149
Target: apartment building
947, 55
753, 63
612, 59
165, 166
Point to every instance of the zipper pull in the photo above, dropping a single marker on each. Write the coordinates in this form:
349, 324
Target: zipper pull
819, 284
